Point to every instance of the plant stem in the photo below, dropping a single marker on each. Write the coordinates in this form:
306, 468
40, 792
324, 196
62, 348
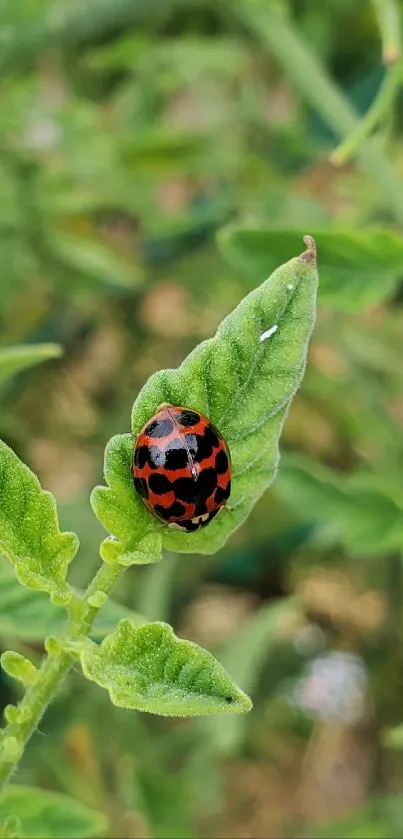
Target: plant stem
380, 107
389, 23
56, 664
306, 72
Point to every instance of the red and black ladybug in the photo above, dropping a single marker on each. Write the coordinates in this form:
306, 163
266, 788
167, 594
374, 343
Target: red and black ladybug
181, 468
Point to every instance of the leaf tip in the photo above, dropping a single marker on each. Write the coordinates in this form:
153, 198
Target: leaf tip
310, 254
243, 702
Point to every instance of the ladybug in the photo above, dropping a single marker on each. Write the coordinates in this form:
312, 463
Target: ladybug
181, 468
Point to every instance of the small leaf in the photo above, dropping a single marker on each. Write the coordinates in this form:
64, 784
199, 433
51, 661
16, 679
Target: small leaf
17, 358
29, 615
19, 667
90, 257
149, 669
44, 815
160, 151
243, 379
30, 536
358, 268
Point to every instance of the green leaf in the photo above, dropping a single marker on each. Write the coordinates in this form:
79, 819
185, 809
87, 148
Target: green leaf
17, 358
90, 257
30, 615
19, 667
44, 815
149, 669
243, 379
30, 536
366, 521
358, 268
158, 151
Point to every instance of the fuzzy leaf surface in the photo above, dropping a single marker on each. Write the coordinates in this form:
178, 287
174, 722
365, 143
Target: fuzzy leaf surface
150, 669
30, 536
244, 384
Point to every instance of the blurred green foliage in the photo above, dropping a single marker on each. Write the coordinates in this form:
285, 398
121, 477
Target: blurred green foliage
157, 160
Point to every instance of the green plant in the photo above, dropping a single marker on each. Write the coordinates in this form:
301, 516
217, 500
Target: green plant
243, 379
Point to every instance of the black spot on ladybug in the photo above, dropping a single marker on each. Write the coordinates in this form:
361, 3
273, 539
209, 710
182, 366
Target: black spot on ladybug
156, 457
184, 489
176, 455
159, 484
221, 495
159, 428
221, 462
205, 484
204, 448
200, 506
141, 486
167, 513
188, 418
141, 457
210, 434
196, 491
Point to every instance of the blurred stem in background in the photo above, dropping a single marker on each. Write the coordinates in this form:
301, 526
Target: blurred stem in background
300, 65
389, 23
380, 109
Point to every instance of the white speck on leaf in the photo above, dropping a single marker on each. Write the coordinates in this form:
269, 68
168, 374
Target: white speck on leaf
268, 333
290, 286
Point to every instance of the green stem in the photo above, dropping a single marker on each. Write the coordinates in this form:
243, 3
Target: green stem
389, 23
306, 72
56, 664
380, 107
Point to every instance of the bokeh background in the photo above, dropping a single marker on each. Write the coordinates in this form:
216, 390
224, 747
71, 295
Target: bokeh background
158, 160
